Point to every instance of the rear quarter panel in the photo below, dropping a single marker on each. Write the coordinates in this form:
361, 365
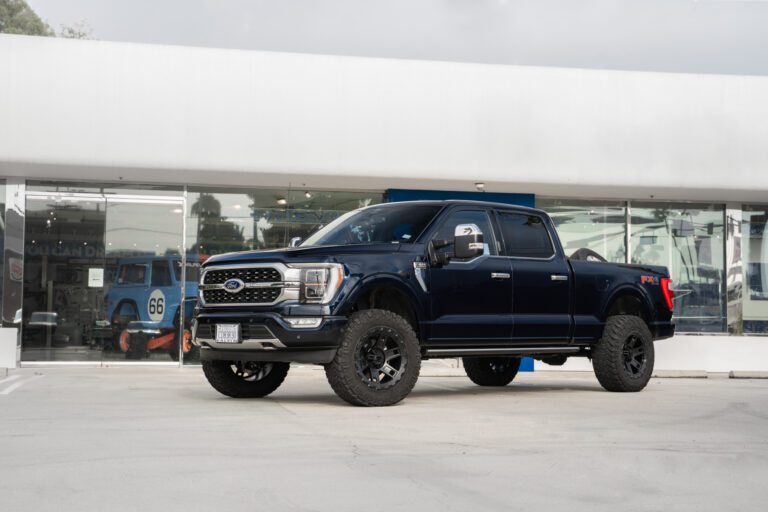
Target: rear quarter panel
598, 285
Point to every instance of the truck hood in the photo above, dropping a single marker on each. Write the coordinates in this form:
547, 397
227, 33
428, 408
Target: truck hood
302, 254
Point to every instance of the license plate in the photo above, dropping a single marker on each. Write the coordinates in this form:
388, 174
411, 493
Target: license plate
228, 333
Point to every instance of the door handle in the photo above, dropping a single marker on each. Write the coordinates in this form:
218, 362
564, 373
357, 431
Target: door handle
558, 277
499, 275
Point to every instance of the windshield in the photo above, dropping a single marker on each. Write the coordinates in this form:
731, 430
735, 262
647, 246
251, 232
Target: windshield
376, 224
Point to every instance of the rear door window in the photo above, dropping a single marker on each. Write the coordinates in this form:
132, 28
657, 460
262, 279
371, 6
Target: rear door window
161, 273
525, 235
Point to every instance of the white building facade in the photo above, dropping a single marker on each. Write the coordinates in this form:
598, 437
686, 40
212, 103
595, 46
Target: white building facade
119, 161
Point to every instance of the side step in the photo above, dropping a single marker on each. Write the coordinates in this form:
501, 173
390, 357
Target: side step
499, 351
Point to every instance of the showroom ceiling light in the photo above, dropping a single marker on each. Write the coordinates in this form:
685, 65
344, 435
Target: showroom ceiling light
480, 186
282, 201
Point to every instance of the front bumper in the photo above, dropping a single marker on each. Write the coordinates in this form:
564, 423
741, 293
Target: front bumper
267, 337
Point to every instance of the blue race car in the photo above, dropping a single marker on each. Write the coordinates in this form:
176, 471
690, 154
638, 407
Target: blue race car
144, 305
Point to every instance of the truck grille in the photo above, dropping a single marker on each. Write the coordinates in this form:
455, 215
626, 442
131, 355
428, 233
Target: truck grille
246, 275
244, 296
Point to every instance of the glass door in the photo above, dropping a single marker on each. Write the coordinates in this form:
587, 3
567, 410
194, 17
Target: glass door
62, 292
143, 279
103, 278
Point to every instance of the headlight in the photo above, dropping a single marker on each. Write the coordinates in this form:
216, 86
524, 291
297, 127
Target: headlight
320, 284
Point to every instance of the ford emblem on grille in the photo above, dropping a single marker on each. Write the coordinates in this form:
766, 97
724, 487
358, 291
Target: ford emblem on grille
234, 285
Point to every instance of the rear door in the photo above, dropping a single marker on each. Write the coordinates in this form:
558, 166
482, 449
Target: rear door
471, 299
540, 279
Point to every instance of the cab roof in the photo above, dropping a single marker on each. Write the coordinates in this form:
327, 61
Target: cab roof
465, 202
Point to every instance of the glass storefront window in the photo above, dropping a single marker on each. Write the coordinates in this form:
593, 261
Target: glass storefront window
689, 240
98, 274
755, 269
221, 221
596, 225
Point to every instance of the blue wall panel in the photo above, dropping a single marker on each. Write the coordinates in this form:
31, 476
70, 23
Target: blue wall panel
399, 194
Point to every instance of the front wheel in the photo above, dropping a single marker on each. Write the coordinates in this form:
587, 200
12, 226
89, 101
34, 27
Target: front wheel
378, 359
491, 371
245, 379
623, 358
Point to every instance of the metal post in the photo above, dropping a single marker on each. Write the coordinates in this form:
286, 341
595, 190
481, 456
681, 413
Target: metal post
183, 301
733, 271
628, 232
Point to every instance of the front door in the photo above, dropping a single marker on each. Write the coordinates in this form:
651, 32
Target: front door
471, 299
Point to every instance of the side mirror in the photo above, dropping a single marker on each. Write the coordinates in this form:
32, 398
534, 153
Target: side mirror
438, 259
295, 241
467, 241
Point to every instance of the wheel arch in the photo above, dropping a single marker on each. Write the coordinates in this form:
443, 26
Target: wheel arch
628, 300
388, 293
118, 310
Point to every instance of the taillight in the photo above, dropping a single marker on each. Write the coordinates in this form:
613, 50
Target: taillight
669, 293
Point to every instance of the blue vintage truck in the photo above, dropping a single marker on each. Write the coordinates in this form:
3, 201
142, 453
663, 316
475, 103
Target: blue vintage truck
144, 305
381, 288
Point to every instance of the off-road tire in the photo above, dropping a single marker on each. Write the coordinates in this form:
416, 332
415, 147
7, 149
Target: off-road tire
346, 377
615, 368
491, 371
222, 377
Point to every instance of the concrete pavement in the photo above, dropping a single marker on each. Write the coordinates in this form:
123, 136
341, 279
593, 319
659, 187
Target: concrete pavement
163, 439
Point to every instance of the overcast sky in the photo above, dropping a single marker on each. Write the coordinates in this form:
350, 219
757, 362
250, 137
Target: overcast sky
694, 36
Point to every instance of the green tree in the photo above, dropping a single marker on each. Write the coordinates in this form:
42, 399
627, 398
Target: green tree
215, 234
16, 17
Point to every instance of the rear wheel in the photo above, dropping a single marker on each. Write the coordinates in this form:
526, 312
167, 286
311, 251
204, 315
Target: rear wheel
245, 379
491, 371
378, 360
623, 358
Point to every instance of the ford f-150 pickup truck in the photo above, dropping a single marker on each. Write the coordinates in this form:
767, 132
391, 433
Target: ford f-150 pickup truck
379, 289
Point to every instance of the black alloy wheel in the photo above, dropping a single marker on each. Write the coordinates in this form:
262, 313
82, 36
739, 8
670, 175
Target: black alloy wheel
245, 379
634, 356
251, 371
491, 371
380, 358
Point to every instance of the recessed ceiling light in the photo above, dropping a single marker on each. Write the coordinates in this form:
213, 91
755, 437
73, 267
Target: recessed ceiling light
480, 186
282, 200
307, 194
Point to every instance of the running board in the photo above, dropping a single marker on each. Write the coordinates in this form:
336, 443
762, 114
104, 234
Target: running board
499, 351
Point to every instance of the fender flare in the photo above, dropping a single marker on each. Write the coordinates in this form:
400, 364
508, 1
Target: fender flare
383, 280
622, 291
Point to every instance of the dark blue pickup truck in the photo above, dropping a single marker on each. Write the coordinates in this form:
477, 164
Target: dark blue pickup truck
379, 289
